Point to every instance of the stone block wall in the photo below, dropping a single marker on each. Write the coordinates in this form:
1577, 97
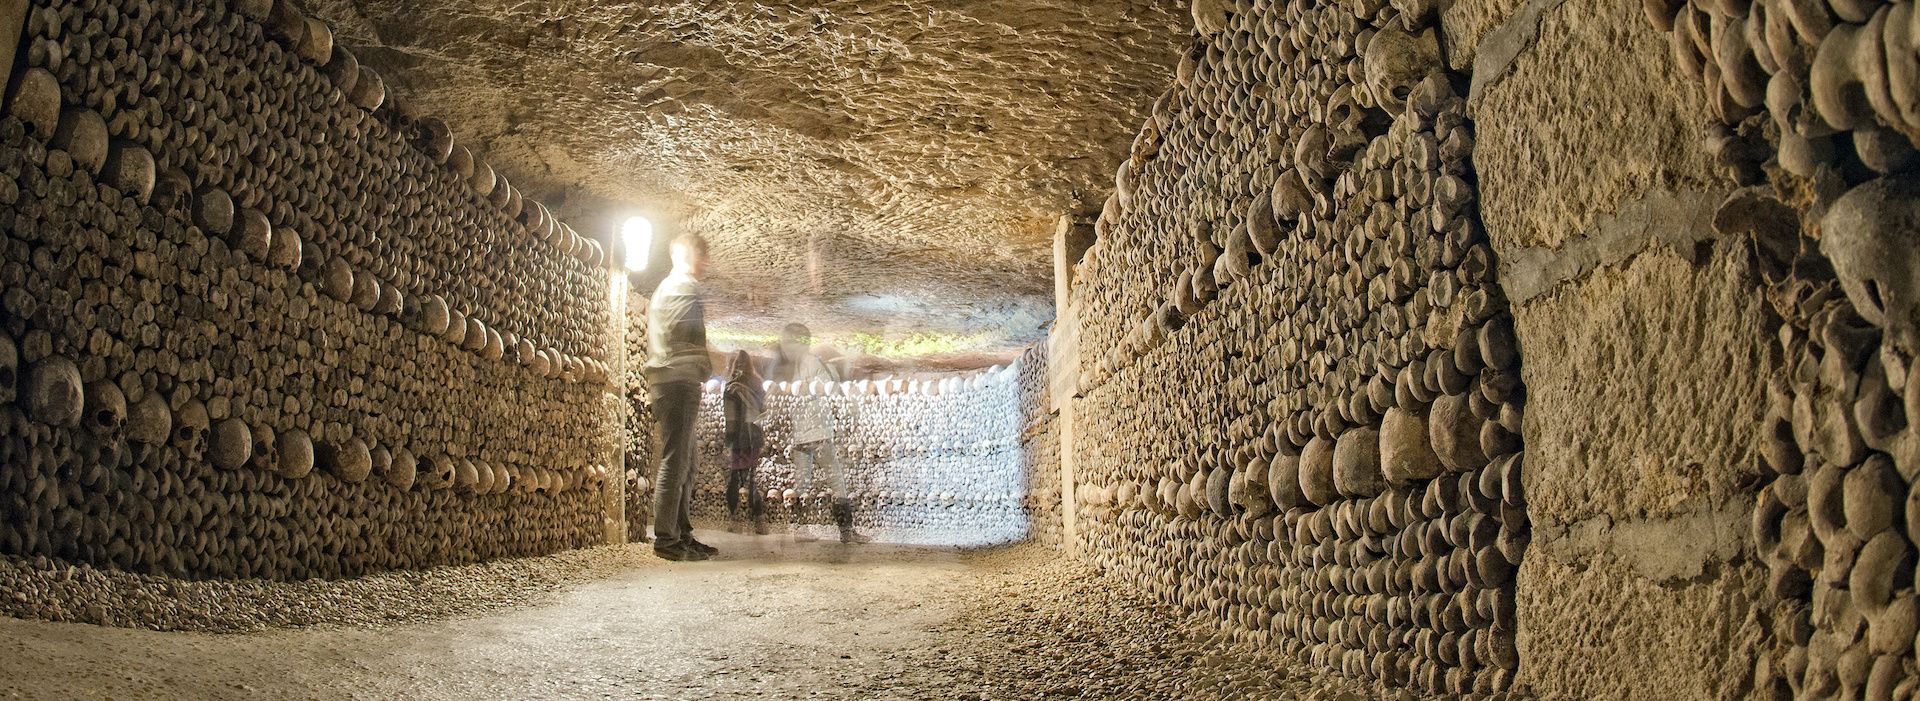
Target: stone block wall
260, 320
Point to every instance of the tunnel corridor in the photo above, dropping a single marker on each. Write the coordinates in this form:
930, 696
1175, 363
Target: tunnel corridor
926, 349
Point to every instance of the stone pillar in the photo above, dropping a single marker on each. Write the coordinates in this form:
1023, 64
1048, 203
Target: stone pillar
1644, 351
1063, 368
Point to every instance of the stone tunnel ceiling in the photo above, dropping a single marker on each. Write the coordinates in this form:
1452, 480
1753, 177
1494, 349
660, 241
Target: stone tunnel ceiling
891, 168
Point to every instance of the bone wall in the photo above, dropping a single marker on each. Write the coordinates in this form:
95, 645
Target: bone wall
1040, 441
1692, 220
934, 462
1301, 392
642, 447
260, 320
1809, 110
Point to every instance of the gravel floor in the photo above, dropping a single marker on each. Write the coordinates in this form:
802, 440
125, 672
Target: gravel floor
769, 620
43, 590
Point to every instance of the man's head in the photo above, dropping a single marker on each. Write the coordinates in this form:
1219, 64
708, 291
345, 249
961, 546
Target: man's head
795, 339
690, 254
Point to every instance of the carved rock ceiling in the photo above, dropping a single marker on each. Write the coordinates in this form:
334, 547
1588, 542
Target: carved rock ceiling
889, 167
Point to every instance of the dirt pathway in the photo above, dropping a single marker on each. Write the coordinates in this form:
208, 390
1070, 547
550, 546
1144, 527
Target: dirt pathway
766, 621
771, 620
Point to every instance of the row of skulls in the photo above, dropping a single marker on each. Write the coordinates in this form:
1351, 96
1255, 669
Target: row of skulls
1301, 405
51, 392
168, 180
221, 149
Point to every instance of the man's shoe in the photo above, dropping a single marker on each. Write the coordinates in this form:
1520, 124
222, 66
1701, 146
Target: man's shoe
759, 527
853, 537
702, 548
679, 553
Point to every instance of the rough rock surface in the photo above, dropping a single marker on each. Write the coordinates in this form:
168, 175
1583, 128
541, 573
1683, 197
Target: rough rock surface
866, 166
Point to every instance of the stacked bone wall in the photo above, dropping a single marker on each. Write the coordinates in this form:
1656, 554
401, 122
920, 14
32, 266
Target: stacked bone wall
261, 321
1810, 109
1699, 216
642, 447
1040, 443
1302, 392
933, 462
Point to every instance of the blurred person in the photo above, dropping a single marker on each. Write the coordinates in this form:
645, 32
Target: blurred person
677, 364
745, 402
813, 435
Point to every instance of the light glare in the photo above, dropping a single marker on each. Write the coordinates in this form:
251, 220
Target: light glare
637, 235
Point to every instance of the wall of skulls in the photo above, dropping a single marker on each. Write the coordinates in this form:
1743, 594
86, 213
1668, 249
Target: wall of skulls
1302, 389
261, 321
642, 447
935, 462
1694, 220
1812, 106
1040, 442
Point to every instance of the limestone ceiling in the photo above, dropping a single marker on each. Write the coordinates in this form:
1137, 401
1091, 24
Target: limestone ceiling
894, 167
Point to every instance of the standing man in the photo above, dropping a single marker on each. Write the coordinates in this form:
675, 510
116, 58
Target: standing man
812, 435
677, 363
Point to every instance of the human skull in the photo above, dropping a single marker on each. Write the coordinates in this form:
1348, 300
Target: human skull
9, 369
266, 449
1872, 236
495, 347
54, 395
1396, 61
254, 235
296, 454
433, 315
483, 481
475, 338
106, 408
403, 469
1210, 16
232, 444
366, 292
150, 421
391, 301
466, 476
435, 139
190, 429
349, 460
284, 252
337, 280
440, 473
380, 459
456, 330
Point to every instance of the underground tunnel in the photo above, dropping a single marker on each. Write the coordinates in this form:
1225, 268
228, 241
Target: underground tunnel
921, 349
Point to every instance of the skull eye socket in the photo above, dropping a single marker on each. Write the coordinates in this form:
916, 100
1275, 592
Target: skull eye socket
104, 417
6, 377
183, 433
1873, 295
1402, 92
